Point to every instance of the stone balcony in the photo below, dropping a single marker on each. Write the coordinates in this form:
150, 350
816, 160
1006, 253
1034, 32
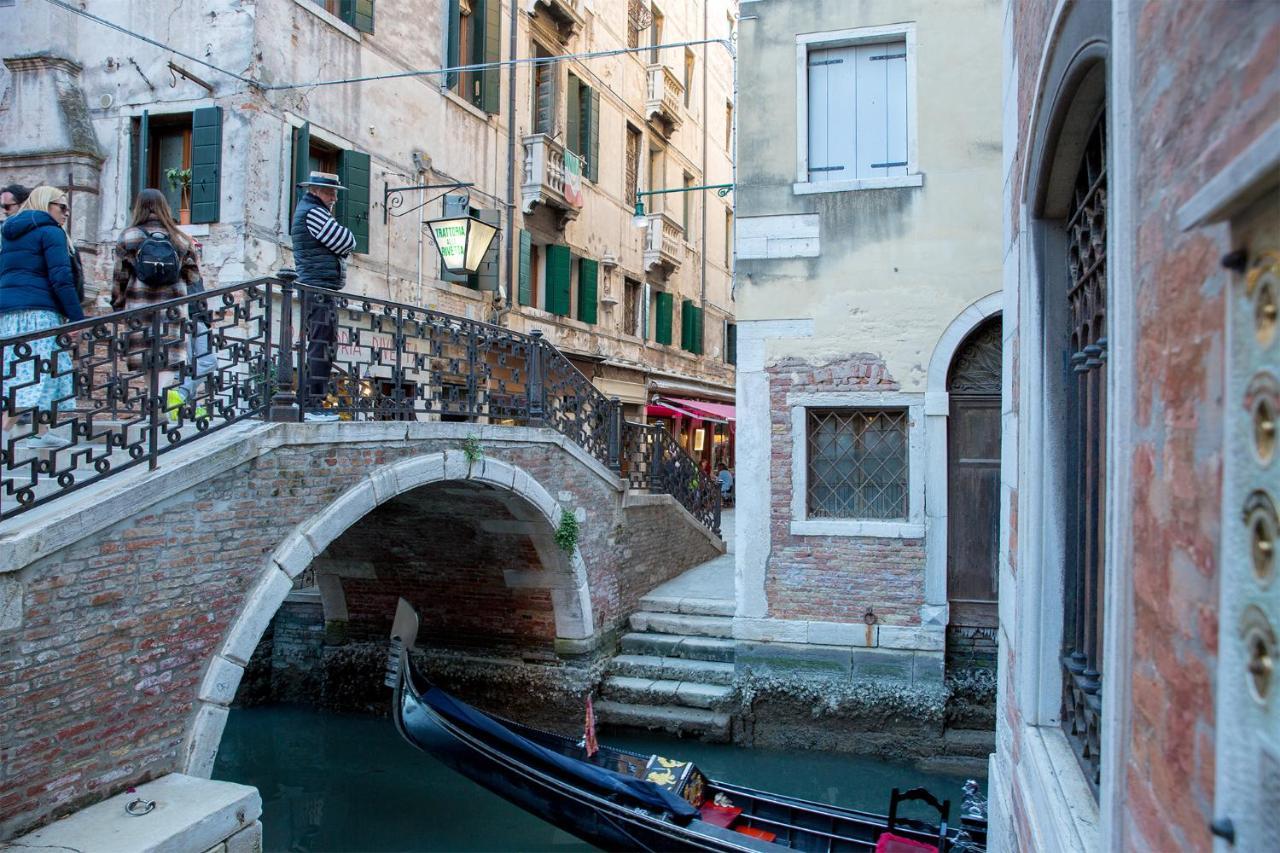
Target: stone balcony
663, 243
664, 98
544, 181
566, 16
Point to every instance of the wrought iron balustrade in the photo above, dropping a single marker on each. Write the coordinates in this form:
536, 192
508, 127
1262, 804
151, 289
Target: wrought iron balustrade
251, 350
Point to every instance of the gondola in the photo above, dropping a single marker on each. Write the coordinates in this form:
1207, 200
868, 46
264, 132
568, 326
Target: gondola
618, 800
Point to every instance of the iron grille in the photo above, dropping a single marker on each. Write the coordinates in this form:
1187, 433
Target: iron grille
857, 464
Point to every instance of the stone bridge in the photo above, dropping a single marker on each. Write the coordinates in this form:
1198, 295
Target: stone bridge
130, 608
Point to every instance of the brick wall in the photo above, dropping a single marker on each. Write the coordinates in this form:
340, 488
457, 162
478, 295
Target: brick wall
833, 578
98, 683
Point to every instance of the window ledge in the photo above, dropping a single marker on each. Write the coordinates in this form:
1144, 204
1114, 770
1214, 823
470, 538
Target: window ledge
857, 527
915, 180
465, 104
200, 230
332, 20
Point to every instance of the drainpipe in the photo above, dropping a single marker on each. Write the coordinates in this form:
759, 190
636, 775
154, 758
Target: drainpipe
706, 121
512, 44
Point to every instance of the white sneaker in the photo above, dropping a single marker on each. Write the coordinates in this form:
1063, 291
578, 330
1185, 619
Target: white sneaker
48, 441
320, 417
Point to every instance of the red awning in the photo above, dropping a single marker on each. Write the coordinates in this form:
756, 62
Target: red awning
720, 412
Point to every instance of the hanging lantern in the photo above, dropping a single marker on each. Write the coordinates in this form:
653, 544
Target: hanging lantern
462, 242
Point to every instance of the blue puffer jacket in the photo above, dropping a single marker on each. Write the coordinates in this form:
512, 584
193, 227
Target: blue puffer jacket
35, 266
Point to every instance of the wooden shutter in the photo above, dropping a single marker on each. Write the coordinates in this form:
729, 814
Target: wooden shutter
870, 140
141, 142
558, 280
662, 323
206, 164
588, 297
490, 85
301, 161
731, 343
646, 295
573, 116
686, 324
358, 13
831, 114
353, 203
633, 165
699, 314
525, 295
455, 205
452, 25
895, 108
487, 275
592, 102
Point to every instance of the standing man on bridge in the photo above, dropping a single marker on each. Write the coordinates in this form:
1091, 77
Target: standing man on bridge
320, 249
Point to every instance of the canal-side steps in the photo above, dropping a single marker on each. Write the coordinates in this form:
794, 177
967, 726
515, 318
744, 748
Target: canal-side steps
674, 671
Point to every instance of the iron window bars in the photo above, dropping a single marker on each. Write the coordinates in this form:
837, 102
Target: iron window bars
856, 463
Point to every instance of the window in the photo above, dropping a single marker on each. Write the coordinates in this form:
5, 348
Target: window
728, 240
631, 316
177, 144
857, 464
728, 126
588, 293
353, 171
330, 6
657, 176
686, 211
582, 135
473, 35
857, 116
544, 92
663, 308
690, 327
688, 76
637, 15
633, 166
559, 280
655, 36
357, 14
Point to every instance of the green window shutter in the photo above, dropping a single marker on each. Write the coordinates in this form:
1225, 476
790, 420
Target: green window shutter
141, 141
558, 278
353, 203
731, 343
588, 278
593, 136
686, 325
206, 164
662, 323
487, 275
526, 271
452, 23
490, 87
357, 13
301, 161
573, 116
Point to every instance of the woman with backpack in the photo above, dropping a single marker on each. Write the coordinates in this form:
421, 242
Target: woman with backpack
38, 292
156, 261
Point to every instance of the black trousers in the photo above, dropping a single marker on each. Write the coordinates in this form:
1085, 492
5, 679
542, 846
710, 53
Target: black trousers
321, 318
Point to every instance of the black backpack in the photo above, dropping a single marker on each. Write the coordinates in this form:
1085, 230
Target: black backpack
157, 264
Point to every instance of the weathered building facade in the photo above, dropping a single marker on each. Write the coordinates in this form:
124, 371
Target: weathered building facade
556, 153
869, 321
1138, 605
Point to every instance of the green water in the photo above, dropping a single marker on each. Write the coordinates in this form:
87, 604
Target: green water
338, 782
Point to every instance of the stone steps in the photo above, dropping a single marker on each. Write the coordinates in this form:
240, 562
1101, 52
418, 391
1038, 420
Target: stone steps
647, 691
676, 604
683, 624
676, 646
678, 669
714, 726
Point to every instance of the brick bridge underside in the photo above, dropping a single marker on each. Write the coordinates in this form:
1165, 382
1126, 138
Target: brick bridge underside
129, 611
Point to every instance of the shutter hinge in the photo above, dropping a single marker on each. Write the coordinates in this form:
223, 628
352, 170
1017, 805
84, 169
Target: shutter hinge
889, 56
825, 62
886, 165
826, 168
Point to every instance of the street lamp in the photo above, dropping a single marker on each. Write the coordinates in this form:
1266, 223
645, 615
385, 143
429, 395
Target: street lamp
462, 242
639, 220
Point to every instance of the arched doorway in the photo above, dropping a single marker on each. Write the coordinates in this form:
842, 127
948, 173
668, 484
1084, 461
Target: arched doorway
973, 494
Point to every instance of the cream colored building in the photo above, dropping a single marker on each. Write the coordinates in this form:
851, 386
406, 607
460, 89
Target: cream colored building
869, 281
251, 95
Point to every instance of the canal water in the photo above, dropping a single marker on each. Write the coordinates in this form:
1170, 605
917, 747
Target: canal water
341, 782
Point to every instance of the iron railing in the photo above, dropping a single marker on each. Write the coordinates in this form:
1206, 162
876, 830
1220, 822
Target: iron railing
240, 352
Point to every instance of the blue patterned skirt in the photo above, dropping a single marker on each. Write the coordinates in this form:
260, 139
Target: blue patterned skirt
54, 388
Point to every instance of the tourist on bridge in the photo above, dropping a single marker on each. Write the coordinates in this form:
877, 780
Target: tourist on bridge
156, 261
320, 249
38, 292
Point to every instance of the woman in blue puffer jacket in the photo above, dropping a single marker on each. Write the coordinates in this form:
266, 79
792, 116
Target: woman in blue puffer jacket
37, 292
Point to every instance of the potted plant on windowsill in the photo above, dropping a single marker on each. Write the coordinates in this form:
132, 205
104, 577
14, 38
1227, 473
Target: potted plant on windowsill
180, 179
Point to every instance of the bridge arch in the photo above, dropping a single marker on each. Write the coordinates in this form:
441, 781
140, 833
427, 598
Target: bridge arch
528, 501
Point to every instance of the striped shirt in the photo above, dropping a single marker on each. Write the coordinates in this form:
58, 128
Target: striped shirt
328, 233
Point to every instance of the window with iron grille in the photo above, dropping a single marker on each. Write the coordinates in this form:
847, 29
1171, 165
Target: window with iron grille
857, 463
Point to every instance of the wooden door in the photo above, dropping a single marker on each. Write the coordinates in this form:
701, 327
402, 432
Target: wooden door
973, 479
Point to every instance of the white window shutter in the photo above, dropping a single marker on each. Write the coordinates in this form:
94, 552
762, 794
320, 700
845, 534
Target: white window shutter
831, 121
896, 108
871, 136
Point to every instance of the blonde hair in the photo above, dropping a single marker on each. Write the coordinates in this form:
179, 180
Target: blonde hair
40, 199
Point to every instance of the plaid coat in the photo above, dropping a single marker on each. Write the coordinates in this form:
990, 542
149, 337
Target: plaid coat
127, 293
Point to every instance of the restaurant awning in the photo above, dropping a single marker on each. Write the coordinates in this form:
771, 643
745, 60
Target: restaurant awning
716, 412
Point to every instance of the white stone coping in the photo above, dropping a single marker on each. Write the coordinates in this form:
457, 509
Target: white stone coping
189, 814
898, 181
853, 634
42, 531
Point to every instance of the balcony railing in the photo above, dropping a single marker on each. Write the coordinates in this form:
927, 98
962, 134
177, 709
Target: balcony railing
107, 387
664, 98
664, 242
544, 179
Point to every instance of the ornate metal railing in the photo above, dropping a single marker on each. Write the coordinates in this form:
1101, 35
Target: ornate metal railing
104, 389
652, 459
108, 388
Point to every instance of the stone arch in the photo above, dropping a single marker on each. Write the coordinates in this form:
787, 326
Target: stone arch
937, 409
573, 611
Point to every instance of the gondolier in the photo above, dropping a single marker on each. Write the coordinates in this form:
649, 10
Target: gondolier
320, 249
